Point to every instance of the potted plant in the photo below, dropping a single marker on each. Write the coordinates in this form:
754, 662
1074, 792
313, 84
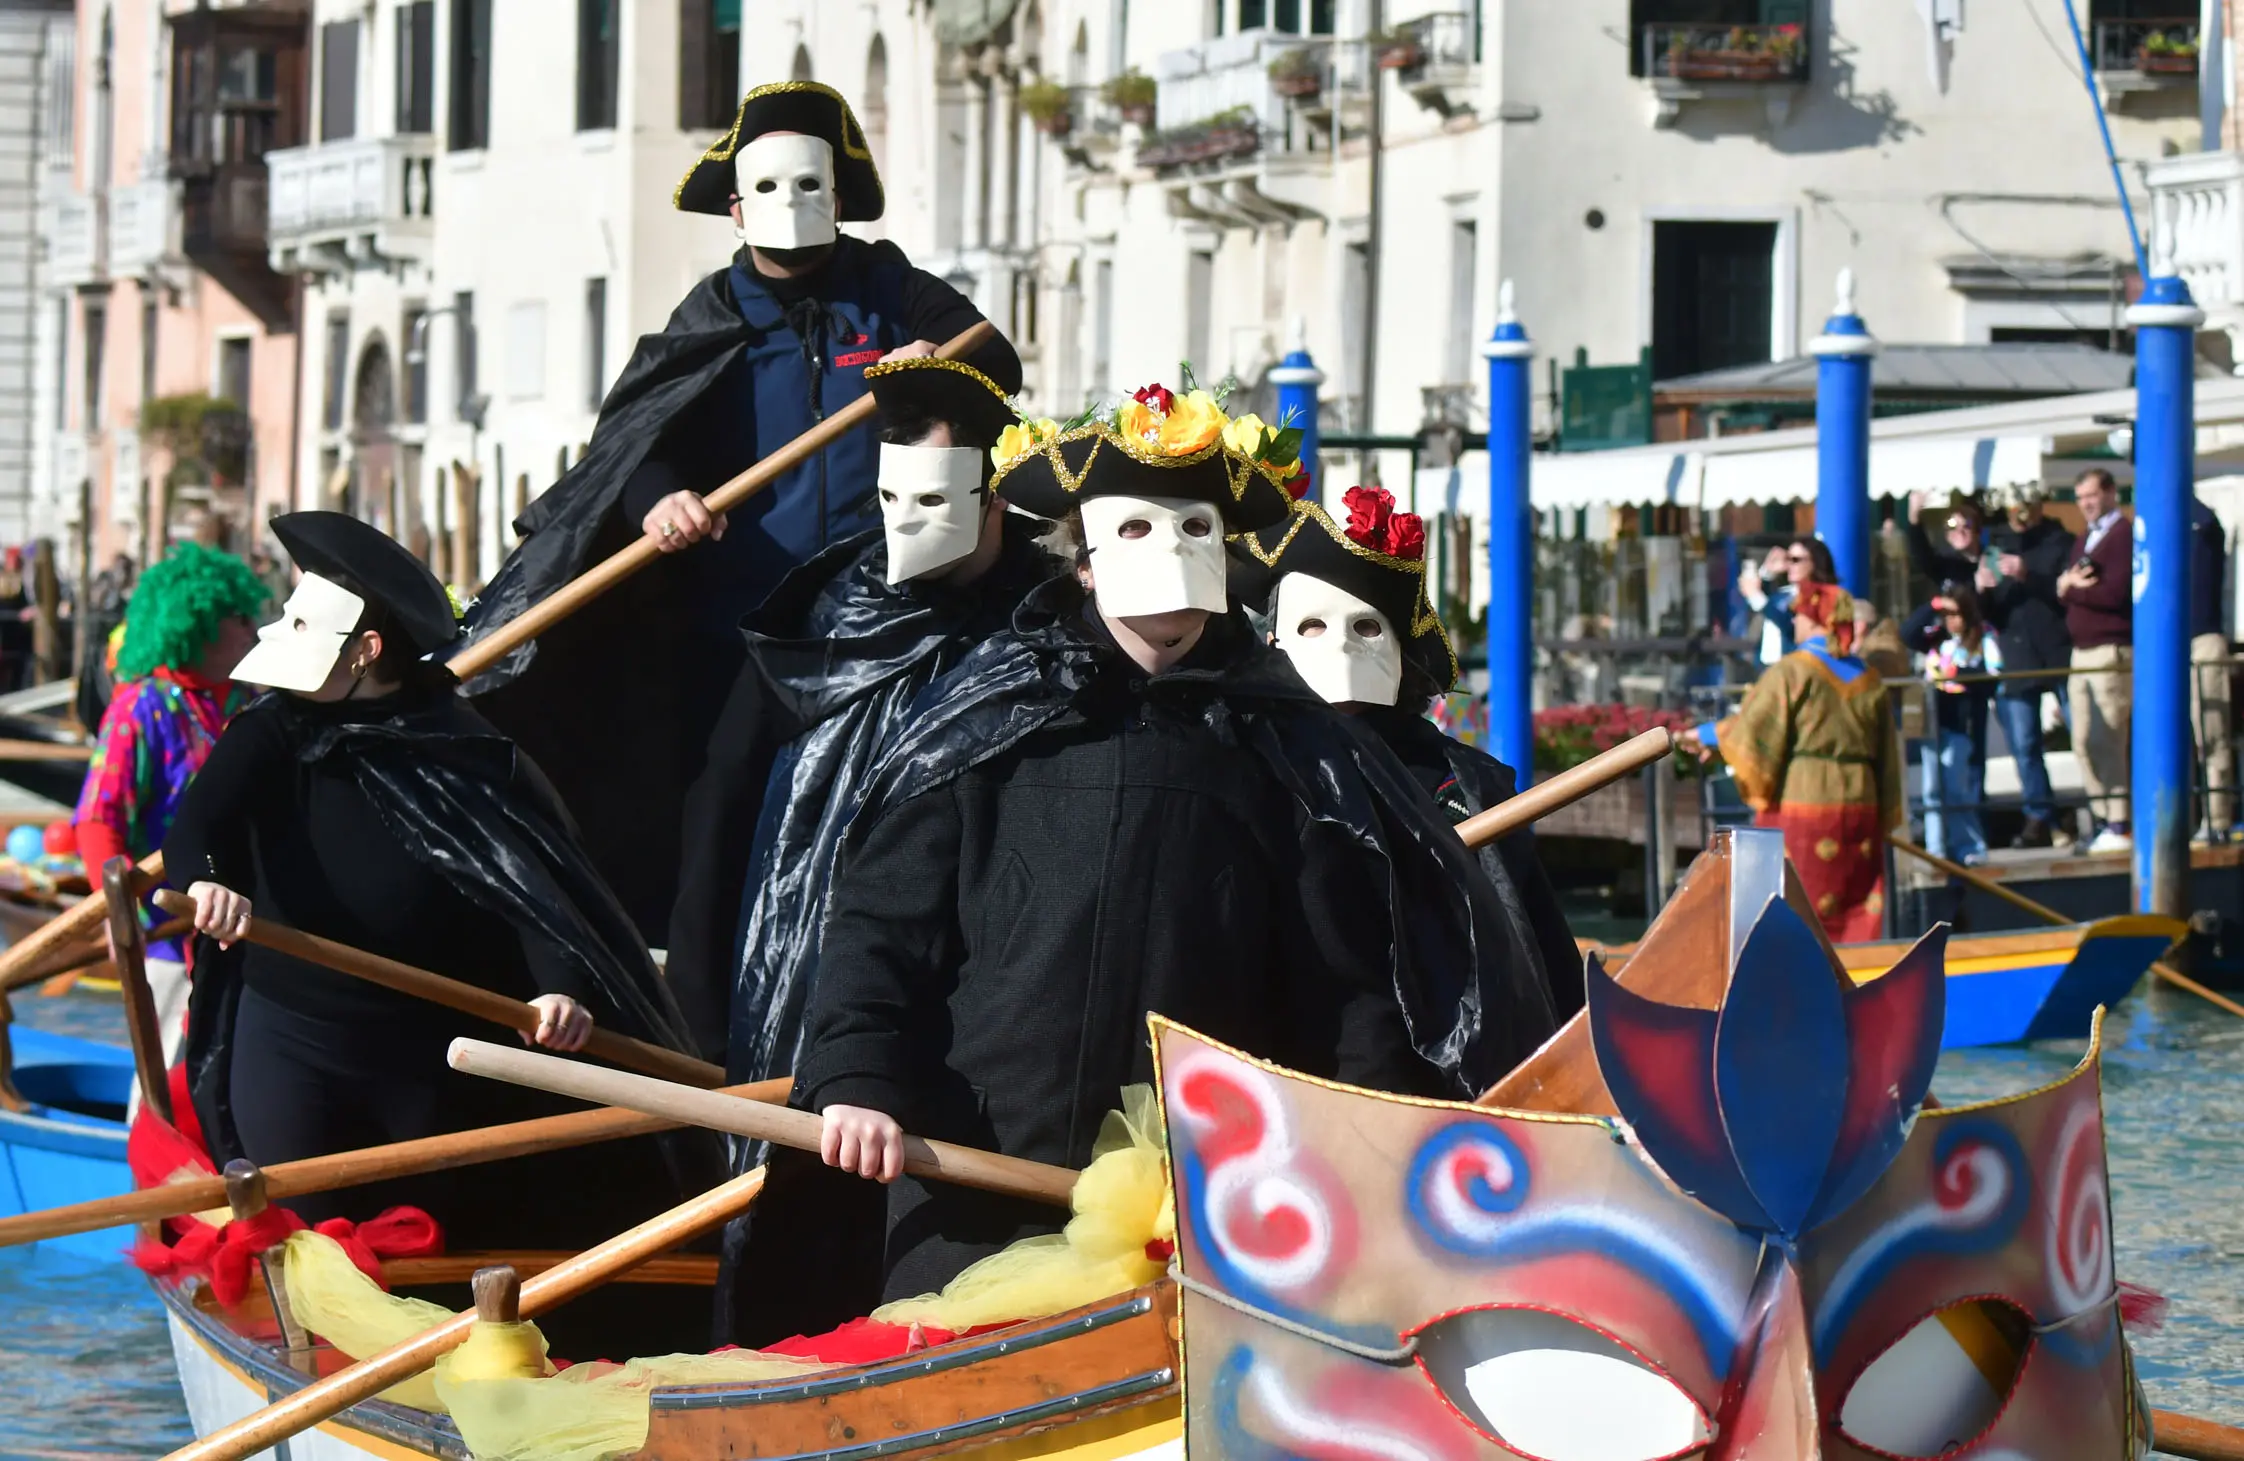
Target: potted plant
1132, 94
2165, 54
1396, 50
1741, 54
1298, 73
1048, 105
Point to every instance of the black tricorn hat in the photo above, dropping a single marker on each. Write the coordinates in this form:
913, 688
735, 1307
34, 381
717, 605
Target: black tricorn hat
789, 106
337, 546
1098, 461
1310, 542
927, 389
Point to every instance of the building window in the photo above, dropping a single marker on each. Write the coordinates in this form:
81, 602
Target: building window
708, 64
149, 315
233, 371
471, 75
463, 351
595, 342
1102, 327
1464, 250
597, 64
416, 67
1713, 296
62, 364
1199, 304
1355, 329
338, 80
1282, 15
416, 337
338, 371
97, 340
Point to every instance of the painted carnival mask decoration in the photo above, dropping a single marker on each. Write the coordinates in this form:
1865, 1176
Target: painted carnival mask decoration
931, 506
1776, 1252
1344, 649
299, 649
786, 185
1155, 555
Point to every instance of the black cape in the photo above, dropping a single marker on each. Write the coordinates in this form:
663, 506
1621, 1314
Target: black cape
1463, 782
1465, 970
836, 657
451, 790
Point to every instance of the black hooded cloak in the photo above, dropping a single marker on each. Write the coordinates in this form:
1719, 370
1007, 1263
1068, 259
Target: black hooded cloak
1399, 970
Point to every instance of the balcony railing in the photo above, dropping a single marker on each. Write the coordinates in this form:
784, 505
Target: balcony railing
1220, 100
2197, 223
73, 250
1764, 54
224, 211
140, 216
2148, 48
334, 191
1445, 44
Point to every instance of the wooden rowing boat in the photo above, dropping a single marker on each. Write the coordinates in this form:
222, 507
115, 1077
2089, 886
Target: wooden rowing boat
67, 1143
1098, 1384
2007, 987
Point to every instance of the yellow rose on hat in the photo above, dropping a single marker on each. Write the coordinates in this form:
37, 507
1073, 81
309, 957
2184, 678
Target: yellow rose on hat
1193, 424
1023, 437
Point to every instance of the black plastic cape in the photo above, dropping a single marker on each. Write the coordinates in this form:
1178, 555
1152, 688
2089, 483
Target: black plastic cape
447, 786
1464, 965
846, 671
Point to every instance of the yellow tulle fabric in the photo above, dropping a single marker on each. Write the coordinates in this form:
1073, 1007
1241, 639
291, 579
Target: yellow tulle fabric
1122, 1203
589, 1412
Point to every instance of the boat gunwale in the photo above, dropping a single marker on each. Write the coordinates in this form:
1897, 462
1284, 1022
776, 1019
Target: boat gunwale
403, 1425
1147, 1387
938, 1360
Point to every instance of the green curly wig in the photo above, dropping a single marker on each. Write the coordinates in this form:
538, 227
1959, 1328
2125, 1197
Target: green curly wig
178, 605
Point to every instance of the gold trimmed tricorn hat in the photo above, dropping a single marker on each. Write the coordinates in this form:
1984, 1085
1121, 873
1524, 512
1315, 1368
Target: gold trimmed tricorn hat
789, 106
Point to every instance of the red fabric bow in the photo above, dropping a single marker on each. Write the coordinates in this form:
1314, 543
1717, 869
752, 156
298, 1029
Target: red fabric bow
1373, 522
1159, 397
226, 1255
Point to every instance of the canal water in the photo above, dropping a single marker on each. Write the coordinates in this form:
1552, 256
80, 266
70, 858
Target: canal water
87, 1369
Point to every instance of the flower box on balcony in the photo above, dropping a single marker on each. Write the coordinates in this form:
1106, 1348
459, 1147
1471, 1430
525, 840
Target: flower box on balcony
1132, 94
1049, 107
1401, 55
2166, 63
1297, 74
1209, 141
1728, 66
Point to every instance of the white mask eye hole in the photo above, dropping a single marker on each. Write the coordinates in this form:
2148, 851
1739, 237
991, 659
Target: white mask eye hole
1136, 527
1368, 628
1310, 628
1546, 1386
886, 495
297, 625
931, 499
1942, 1384
767, 185
808, 185
1198, 527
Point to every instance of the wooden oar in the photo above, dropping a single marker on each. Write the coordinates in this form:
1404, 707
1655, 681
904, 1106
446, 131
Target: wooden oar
2173, 1434
142, 1021
452, 994
779, 1125
1990, 886
597, 580
74, 925
81, 960
15, 750
323, 1399
356, 1168
1567, 787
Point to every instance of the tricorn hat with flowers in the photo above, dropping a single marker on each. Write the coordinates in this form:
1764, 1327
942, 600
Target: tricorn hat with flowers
1377, 554
1155, 443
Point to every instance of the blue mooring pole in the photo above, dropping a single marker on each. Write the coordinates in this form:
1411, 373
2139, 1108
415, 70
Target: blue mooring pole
1297, 379
1511, 544
2165, 321
1844, 352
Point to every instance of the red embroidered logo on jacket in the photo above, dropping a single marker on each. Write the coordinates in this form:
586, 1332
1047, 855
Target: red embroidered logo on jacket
858, 357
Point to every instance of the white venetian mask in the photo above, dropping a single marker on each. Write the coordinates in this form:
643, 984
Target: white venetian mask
786, 183
1155, 555
299, 649
930, 506
1344, 648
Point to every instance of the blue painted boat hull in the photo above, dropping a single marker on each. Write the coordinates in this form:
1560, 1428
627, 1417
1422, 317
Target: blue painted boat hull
70, 1147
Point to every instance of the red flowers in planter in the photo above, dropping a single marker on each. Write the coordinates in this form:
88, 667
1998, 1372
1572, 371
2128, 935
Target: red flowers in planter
1373, 522
1568, 735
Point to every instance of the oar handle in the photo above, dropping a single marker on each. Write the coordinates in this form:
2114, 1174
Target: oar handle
1567, 787
779, 1125
468, 999
82, 920
2174, 1434
325, 1398
358, 1168
586, 587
